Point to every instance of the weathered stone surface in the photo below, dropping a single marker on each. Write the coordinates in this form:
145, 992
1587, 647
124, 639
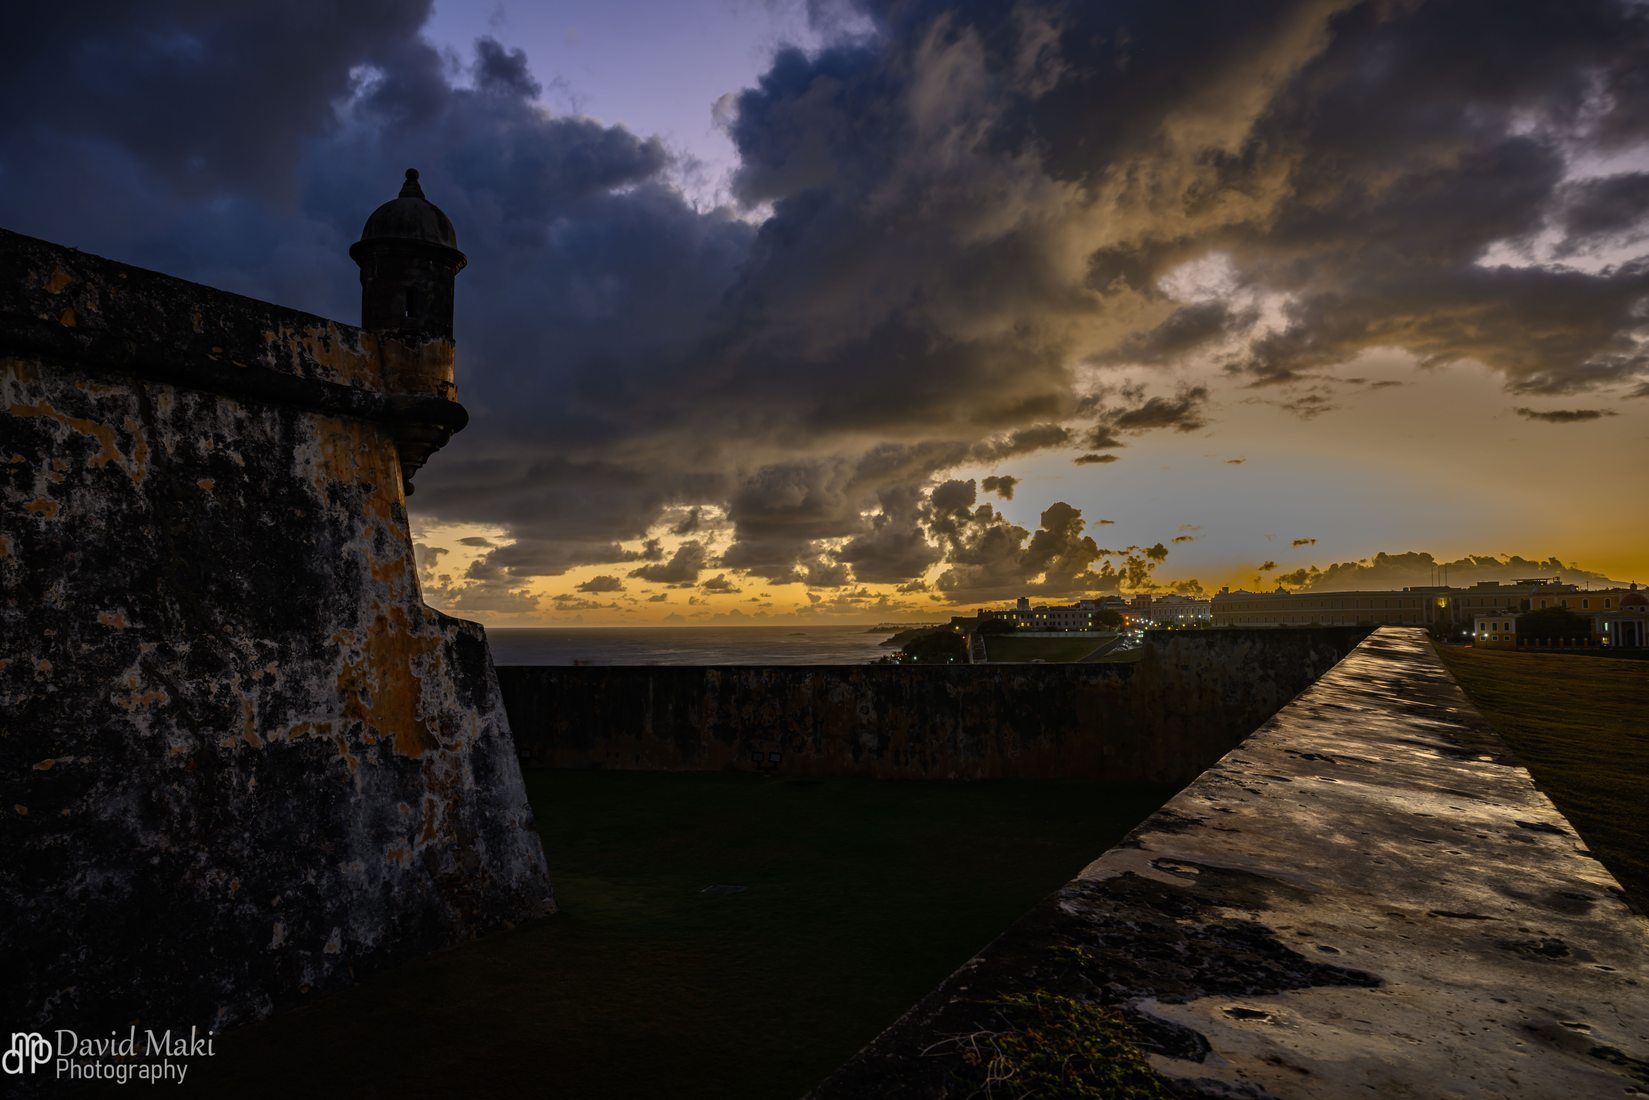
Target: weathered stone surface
1368, 897
1162, 720
241, 759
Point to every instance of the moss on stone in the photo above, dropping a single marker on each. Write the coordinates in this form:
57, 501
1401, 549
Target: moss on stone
1050, 1045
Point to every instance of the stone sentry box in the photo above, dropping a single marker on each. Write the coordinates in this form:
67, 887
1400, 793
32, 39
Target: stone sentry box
242, 761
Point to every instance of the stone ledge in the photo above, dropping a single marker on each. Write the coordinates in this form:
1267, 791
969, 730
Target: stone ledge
60, 306
1369, 896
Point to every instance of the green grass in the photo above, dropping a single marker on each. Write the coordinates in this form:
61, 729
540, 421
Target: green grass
1007, 647
861, 895
1047, 1045
1578, 724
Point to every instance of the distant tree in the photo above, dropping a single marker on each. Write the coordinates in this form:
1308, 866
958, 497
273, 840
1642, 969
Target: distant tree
996, 626
1108, 618
1553, 622
937, 647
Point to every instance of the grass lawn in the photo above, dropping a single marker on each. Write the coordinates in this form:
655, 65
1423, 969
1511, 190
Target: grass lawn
1007, 647
860, 896
1580, 726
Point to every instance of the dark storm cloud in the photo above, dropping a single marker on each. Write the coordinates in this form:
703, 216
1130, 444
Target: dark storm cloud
1563, 416
1183, 413
1037, 437
988, 557
1597, 210
683, 568
971, 204
895, 548
211, 99
1101, 436
1002, 485
504, 71
602, 583
1187, 330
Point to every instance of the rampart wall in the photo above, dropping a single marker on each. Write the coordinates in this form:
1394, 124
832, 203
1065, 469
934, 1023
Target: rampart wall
241, 761
1162, 719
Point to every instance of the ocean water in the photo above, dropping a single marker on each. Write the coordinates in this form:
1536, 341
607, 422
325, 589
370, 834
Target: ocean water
687, 645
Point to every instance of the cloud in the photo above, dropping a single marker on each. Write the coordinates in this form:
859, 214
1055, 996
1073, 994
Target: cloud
684, 566
989, 558
603, 583
972, 208
1185, 538
1267, 566
1002, 485
1094, 460
895, 547
568, 602
1303, 542
1235, 461
1603, 210
1308, 406
1563, 416
1101, 436
1183, 412
720, 584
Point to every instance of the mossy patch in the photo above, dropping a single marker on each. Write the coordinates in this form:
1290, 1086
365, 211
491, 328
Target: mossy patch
1048, 1045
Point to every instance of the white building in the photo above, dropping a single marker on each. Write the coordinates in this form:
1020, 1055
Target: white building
1171, 610
1081, 615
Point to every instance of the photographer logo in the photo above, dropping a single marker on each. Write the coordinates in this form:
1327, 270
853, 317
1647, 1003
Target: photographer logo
153, 1056
29, 1051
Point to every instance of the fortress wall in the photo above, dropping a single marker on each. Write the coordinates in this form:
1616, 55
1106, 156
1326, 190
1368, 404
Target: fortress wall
1192, 696
241, 761
1367, 897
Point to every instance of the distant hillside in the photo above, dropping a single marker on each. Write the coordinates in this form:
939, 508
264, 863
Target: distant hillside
1388, 571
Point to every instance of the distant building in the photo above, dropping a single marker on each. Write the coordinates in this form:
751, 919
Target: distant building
1419, 605
1495, 631
1170, 610
1079, 616
1627, 626
1615, 618
1284, 608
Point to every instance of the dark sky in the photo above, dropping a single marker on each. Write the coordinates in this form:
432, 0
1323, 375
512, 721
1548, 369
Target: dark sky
1261, 282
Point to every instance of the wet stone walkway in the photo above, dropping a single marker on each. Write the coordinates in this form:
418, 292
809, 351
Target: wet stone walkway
1368, 897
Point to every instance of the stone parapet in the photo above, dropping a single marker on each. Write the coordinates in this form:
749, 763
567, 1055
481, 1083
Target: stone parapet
1368, 897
